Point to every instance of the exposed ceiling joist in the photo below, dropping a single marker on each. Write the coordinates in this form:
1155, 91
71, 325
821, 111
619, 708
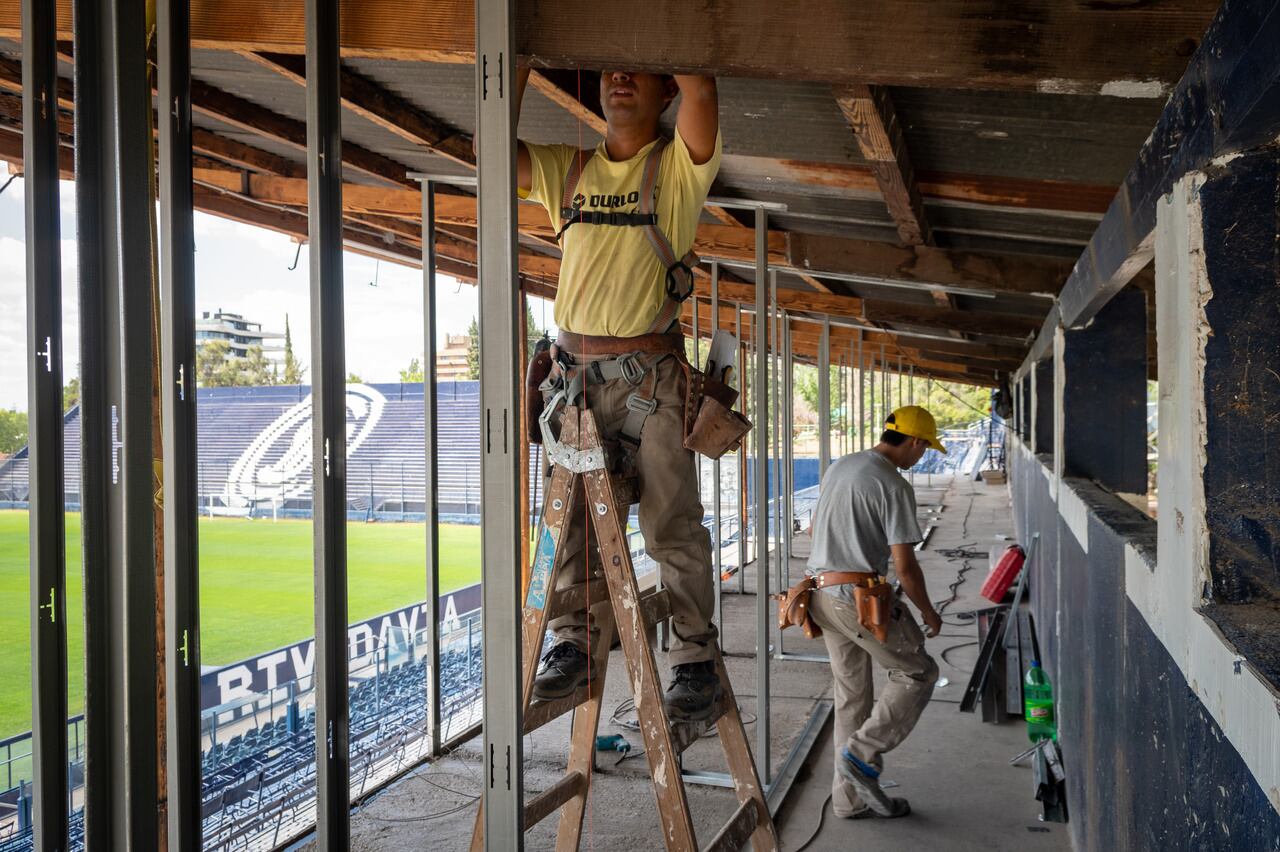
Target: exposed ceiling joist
874, 122
1067, 48
384, 108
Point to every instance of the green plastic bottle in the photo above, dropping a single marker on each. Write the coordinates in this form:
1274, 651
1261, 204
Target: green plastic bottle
1037, 700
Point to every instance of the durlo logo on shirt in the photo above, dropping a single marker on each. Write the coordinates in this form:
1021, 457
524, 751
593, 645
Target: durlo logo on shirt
599, 200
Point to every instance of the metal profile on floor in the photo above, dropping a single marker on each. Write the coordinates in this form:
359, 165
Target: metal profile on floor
178, 429
329, 424
44, 446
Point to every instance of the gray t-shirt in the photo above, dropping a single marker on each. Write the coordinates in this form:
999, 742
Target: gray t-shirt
864, 507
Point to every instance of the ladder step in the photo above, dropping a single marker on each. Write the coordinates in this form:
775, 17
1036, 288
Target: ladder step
737, 831
540, 713
549, 801
685, 734
578, 597
655, 606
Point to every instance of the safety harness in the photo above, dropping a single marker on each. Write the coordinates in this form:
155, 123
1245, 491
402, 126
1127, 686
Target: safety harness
679, 278
568, 379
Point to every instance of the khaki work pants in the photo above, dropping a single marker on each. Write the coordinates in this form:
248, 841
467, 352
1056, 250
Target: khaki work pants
868, 730
670, 515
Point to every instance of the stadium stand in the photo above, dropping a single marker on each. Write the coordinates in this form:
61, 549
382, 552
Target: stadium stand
255, 459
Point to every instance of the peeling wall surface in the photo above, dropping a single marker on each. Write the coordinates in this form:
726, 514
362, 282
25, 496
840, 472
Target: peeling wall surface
1151, 764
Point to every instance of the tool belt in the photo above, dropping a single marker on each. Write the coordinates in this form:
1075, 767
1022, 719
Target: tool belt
872, 597
711, 427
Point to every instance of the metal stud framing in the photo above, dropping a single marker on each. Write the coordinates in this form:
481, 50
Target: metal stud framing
329, 423
178, 426
431, 470
45, 451
761, 442
502, 786
114, 215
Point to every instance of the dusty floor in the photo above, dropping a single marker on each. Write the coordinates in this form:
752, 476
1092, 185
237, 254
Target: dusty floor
953, 769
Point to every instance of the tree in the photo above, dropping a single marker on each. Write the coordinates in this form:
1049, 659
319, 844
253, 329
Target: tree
293, 369
211, 364
71, 395
473, 350
216, 367
254, 369
412, 373
953, 404
13, 431
354, 379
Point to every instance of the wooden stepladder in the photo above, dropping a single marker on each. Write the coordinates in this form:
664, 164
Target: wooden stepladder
617, 605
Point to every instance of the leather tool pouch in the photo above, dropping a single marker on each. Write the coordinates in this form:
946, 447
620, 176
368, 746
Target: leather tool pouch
711, 426
793, 609
875, 608
539, 369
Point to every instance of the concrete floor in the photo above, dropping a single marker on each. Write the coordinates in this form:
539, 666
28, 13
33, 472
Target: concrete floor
953, 769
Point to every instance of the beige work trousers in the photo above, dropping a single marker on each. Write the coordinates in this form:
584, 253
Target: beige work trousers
670, 515
870, 729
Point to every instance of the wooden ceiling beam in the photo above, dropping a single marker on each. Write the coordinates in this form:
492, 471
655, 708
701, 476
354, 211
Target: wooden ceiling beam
202, 141
1068, 48
229, 109
373, 102
874, 122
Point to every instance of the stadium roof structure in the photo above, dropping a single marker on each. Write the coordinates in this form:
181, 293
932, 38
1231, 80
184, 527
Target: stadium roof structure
940, 171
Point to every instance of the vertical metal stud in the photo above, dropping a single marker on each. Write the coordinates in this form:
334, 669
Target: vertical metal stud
502, 786
329, 423
44, 444
716, 514
115, 211
431, 446
824, 397
178, 401
761, 484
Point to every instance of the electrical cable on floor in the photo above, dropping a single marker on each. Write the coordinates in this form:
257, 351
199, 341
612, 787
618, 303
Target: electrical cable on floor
817, 829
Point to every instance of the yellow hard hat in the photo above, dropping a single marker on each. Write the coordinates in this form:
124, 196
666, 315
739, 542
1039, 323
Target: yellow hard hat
917, 422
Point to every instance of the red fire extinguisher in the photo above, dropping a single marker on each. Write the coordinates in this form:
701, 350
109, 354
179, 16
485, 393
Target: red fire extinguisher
1002, 576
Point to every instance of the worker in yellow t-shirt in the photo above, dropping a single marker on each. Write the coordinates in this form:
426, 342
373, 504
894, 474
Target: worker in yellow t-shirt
627, 223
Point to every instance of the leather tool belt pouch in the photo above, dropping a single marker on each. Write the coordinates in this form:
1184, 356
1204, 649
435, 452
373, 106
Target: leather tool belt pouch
711, 426
793, 608
875, 608
539, 369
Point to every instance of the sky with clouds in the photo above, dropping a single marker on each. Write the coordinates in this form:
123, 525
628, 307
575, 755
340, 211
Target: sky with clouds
244, 270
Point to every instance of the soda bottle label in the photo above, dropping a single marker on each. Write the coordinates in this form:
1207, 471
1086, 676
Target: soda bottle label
1041, 714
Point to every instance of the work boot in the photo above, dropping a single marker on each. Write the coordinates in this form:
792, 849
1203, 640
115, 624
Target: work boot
865, 778
564, 668
694, 691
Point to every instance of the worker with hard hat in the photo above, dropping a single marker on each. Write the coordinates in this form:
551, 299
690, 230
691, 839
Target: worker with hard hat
865, 519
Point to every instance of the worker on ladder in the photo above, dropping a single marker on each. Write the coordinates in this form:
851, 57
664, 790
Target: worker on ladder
627, 214
866, 515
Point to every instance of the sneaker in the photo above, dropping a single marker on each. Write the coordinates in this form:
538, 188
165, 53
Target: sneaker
694, 691
564, 668
866, 780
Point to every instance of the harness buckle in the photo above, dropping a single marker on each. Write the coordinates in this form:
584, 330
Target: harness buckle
632, 369
642, 405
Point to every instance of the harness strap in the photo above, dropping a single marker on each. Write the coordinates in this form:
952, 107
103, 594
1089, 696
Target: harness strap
679, 281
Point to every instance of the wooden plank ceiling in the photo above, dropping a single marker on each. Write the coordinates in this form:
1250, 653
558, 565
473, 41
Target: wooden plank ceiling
941, 167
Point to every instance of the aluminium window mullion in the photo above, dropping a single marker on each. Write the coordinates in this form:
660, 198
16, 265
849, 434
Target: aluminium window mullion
329, 417
431, 504
178, 425
45, 447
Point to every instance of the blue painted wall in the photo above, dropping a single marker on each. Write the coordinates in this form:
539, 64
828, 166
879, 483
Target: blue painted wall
1147, 766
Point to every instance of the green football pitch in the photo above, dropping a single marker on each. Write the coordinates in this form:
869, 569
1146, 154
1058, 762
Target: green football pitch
255, 591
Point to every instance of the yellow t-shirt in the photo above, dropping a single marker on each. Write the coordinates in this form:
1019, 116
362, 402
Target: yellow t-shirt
611, 281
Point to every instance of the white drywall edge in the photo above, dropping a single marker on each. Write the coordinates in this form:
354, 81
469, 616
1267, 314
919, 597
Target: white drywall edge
1243, 705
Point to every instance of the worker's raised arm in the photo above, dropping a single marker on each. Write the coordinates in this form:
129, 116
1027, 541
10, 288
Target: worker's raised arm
524, 166
912, 579
698, 120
